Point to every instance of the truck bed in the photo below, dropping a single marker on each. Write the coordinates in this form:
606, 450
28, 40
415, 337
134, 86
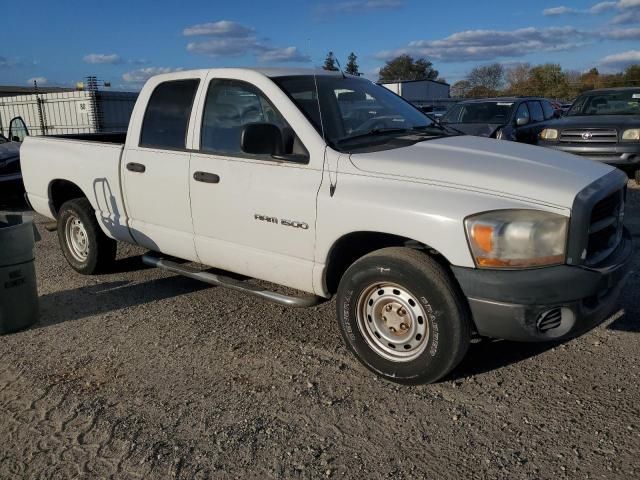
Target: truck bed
88, 162
111, 137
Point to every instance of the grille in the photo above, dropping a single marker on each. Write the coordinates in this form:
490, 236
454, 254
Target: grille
550, 319
591, 135
605, 229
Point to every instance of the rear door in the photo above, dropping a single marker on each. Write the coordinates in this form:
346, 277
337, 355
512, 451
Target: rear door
155, 168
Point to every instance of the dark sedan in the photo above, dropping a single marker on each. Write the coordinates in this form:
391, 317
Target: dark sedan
506, 118
602, 125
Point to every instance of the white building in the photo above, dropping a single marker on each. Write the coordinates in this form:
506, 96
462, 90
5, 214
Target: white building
419, 91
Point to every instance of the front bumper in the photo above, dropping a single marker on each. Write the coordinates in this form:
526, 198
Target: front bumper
618, 154
512, 304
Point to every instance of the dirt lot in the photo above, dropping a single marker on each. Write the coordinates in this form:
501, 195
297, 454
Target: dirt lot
142, 374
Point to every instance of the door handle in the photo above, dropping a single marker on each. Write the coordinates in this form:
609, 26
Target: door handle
206, 177
136, 167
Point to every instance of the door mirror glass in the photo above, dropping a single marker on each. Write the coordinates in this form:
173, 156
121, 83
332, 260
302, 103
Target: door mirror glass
18, 130
261, 139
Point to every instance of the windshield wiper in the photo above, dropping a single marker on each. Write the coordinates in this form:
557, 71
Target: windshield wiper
373, 133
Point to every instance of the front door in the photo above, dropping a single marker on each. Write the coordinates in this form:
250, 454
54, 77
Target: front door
155, 171
252, 214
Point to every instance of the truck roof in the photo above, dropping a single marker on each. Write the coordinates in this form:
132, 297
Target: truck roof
269, 72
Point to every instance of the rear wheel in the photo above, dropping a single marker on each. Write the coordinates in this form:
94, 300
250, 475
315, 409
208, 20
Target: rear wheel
402, 316
87, 249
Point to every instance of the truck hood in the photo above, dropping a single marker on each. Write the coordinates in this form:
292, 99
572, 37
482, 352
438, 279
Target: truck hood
492, 166
596, 121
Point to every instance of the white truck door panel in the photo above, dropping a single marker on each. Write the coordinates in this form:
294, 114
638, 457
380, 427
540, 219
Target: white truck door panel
155, 171
259, 218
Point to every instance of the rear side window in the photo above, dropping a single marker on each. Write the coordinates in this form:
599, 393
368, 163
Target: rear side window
167, 117
549, 112
536, 111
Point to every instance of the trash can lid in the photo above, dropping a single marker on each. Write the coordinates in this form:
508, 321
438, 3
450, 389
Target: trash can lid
16, 239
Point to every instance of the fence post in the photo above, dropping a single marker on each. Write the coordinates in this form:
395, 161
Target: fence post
42, 115
96, 110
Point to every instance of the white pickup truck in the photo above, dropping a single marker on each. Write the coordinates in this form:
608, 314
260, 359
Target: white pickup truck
333, 185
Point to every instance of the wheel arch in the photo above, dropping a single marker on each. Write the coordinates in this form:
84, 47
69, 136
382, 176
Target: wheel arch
354, 245
60, 191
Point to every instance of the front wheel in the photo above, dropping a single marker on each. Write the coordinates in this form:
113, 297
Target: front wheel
402, 316
85, 246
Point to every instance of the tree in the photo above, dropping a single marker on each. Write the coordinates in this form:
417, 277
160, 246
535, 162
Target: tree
330, 62
352, 66
404, 67
486, 80
460, 89
518, 77
549, 81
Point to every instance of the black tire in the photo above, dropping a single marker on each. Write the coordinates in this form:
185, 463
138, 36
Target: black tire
446, 330
99, 250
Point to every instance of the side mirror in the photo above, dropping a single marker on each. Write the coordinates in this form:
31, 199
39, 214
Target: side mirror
261, 139
520, 121
15, 138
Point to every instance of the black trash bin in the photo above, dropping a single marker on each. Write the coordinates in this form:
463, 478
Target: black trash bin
18, 288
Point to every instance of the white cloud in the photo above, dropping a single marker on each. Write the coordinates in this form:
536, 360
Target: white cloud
222, 28
483, 45
225, 47
141, 75
623, 34
38, 80
283, 55
357, 6
562, 10
231, 39
627, 17
603, 7
97, 58
621, 60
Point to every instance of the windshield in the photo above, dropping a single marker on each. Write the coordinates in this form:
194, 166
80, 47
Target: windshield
622, 102
355, 111
479, 112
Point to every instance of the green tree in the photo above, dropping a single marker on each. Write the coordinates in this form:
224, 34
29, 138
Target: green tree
486, 80
352, 66
549, 81
330, 62
404, 67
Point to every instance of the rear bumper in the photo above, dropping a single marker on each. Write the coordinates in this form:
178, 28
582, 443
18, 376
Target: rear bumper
510, 304
619, 154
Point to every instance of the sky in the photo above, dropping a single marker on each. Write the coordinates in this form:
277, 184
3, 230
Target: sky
126, 42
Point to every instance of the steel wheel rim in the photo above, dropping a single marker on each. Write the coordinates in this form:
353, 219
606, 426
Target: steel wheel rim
76, 238
393, 322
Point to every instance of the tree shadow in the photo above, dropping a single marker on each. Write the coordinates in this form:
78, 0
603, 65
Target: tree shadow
83, 302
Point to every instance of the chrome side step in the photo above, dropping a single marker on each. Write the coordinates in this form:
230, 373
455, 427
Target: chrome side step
222, 281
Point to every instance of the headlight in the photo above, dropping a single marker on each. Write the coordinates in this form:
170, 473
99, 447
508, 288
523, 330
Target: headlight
517, 238
631, 135
549, 134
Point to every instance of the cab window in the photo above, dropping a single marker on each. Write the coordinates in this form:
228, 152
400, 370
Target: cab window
536, 111
166, 120
548, 110
229, 106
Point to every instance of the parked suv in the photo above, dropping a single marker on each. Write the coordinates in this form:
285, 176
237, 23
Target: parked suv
602, 125
504, 118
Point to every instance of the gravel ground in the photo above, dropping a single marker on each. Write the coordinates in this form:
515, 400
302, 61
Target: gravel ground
143, 374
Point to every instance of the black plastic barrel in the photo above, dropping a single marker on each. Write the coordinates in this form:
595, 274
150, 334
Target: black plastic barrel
18, 288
